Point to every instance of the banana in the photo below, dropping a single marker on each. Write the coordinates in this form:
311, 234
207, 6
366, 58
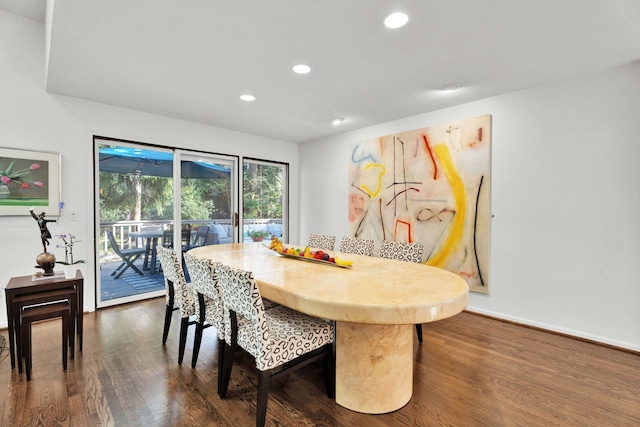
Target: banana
343, 262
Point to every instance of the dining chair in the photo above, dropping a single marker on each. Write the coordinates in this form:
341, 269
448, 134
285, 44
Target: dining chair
353, 245
128, 256
322, 241
204, 279
403, 251
279, 339
179, 297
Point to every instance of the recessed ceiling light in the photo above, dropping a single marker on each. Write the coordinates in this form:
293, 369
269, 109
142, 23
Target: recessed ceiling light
396, 20
450, 87
248, 98
337, 121
301, 68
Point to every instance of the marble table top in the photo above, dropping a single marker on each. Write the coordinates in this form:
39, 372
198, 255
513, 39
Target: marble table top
373, 291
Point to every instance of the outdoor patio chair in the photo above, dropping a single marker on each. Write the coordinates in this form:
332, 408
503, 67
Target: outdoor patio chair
128, 256
403, 251
200, 237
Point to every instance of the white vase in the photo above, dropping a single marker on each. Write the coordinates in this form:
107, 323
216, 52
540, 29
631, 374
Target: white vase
5, 192
70, 271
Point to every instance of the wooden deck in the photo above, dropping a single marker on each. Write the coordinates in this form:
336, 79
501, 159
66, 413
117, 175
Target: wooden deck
130, 283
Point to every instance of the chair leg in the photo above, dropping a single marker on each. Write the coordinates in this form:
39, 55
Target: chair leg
167, 323
197, 340
227, 365
264, 378
221, 353
127, 262
419, 331
184, 326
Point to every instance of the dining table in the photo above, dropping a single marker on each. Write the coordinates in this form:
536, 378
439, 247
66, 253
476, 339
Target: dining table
375, 304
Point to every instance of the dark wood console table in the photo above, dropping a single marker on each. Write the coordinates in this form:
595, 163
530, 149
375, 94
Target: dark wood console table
24, 285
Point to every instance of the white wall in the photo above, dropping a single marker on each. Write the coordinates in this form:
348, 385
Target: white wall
565, 239
32, 119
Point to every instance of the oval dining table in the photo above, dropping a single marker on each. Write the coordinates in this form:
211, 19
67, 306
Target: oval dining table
375, 305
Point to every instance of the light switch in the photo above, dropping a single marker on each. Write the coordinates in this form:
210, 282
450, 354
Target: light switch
73, 215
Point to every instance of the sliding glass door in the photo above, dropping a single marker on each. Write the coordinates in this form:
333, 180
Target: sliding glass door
140, 205
264, 200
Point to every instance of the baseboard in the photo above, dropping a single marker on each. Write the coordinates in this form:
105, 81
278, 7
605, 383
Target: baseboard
620, 345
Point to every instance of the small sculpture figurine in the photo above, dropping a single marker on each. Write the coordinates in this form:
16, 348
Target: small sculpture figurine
45, 235
45, 260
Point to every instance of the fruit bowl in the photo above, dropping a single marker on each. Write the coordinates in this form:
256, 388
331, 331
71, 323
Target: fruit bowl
307, 254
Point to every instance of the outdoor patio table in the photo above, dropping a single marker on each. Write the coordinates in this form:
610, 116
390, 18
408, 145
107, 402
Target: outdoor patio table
375, 304
151, 242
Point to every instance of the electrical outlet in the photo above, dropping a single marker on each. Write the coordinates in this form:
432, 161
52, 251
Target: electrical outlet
73, 215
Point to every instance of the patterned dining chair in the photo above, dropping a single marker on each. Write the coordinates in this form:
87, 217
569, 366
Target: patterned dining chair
353, 245
179, 297
280, 339
403, 251
322, 241
204, 278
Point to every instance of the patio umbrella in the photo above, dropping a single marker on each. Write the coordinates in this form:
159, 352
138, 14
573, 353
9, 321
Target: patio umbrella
126, 160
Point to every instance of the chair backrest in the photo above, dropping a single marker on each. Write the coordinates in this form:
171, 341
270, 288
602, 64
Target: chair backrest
114, 244
204, 278
240, 294
201, 235
352, 245
173, 272
322, 241
167, 238
402, 251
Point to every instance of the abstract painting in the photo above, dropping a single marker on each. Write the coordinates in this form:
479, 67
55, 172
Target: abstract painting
429, 185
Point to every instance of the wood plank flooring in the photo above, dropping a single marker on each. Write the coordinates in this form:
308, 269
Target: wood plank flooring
470, 371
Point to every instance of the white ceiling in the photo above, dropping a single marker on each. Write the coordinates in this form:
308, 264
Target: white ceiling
192, 60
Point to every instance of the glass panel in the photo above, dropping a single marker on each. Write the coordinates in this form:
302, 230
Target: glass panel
265, 201
207, 200
135, 205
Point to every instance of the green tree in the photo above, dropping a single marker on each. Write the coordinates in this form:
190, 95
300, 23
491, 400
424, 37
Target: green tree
262, 189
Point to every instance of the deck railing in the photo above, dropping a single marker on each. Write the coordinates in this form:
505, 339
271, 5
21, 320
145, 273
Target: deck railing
121, 231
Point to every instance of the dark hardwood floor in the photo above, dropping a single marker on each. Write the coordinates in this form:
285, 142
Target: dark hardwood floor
470, 371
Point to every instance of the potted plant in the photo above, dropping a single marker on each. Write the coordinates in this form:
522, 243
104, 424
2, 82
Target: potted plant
257, 235
70, 265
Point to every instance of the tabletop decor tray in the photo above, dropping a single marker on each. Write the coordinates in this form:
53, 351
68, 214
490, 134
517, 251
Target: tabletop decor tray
302, 258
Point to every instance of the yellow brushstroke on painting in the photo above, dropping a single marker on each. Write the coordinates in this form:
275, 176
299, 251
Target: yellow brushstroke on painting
457, 225
382, 172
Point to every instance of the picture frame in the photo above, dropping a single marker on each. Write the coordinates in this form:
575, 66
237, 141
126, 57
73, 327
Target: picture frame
29, 179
